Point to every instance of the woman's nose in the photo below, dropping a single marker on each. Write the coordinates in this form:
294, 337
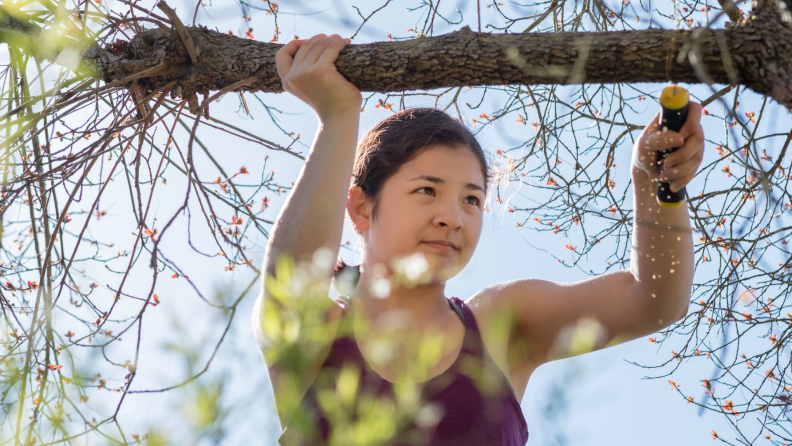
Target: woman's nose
449, 215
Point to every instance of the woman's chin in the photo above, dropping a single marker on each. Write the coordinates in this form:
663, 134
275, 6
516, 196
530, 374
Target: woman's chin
420, 268
444, 269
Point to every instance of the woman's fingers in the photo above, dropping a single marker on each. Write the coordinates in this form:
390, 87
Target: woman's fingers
693, 120
693, 148
307, 47
657, 141
680, 166
331, 53
318, 83
284, 58
682, 182
317, 51
680, 171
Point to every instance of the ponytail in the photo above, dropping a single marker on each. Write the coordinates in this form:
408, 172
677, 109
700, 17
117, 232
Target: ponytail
339, 266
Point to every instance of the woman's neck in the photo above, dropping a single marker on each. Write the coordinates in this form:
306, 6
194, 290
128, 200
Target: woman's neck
426, 304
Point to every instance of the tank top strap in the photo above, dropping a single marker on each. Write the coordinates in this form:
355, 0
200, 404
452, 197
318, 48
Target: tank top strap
459, 311
464, 312
472, 342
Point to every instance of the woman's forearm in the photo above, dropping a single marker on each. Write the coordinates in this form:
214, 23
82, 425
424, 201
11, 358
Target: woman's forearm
313, 215
662, 251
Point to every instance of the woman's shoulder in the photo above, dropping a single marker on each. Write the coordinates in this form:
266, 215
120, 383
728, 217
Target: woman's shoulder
487, 300
489, 315
506, 296
493, 319
504, 307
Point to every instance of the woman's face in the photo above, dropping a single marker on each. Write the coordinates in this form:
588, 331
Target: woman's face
433, 205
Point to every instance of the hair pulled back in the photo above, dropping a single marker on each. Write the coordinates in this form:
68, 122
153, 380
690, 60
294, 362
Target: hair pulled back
398, 139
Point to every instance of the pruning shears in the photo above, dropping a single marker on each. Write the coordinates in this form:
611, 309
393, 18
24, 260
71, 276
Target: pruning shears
674, 101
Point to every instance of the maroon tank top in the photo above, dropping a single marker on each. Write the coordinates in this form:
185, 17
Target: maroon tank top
471, 403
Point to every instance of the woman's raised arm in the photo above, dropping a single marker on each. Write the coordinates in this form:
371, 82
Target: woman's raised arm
312, 217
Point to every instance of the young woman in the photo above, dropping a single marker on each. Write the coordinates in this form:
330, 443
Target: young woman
417, 184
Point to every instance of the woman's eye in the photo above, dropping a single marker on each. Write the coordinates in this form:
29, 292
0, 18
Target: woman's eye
475, 200
426, 190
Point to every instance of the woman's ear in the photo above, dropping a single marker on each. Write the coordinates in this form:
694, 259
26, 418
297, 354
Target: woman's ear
358, 209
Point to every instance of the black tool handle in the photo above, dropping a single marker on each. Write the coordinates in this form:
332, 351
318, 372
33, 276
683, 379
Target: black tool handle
674, 101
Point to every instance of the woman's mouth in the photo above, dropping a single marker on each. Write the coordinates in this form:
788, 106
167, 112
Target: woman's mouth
441, 245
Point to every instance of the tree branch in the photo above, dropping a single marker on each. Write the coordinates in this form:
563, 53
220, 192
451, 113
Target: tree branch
759, 57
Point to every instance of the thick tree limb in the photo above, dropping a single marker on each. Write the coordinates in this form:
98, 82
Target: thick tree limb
758, 54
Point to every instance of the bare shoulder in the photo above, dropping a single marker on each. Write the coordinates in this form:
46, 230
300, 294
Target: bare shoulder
494, 307
512, 317
497, 319
525, 316
492, 322
536, 314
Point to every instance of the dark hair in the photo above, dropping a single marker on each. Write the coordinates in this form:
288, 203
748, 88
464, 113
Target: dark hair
398, 139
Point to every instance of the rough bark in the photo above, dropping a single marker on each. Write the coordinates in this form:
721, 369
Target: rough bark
759, 51
756, 53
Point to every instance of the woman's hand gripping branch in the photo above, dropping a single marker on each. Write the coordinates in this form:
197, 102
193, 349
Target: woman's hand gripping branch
307, 70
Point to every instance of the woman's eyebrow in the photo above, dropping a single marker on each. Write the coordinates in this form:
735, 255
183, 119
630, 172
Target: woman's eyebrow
475, 187
429, 178
438, 180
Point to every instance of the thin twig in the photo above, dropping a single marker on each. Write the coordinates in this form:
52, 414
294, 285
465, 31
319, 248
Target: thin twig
431, 24
366, 19
184, 35
478, 5
716, 95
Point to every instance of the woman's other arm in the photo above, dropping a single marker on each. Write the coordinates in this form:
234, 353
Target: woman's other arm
662, 261
649, 296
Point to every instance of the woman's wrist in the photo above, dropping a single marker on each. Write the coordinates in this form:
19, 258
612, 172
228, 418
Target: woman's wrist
339, 115
340, 110
337, 135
